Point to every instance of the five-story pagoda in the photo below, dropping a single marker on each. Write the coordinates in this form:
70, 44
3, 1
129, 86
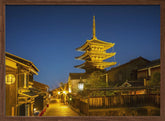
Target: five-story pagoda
95, 53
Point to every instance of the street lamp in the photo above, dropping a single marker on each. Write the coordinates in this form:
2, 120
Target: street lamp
34, 109
70, 90
81, 85
64, 92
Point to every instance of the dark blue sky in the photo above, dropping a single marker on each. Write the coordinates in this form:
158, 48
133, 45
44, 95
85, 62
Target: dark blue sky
49, 35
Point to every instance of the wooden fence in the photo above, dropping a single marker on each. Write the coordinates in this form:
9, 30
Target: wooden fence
124, 101
118, 101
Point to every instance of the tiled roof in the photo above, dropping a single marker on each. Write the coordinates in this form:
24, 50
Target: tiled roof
133, 83
39, 84
151, 64
31, 93
99, 41
131, 61
34, 90
77, 75
136, 83
21, 60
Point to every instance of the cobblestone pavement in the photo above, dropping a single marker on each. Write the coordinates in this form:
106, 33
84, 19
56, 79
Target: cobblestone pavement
59, 109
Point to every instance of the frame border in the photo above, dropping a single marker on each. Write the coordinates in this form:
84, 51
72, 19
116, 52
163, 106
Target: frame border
3, 3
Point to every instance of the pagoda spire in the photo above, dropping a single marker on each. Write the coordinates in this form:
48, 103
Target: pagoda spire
95, 53
94, 28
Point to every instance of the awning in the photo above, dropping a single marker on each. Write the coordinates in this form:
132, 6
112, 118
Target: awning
29, 94
34, 90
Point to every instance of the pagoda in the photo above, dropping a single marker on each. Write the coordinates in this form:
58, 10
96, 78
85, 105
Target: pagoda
94, 53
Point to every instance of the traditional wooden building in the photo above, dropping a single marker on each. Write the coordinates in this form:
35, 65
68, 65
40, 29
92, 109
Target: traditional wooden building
18, 79
135, 88
147, 72
95, 53
128, 71
42, 99
149, 69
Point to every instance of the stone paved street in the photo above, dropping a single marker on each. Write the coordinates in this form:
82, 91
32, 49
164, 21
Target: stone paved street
59, 109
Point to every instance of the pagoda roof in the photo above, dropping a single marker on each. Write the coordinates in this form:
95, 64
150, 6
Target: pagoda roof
89, 64
87, 55
94, 41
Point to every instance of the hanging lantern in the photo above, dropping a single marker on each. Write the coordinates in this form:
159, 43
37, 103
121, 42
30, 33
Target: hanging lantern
81, 85
10, 79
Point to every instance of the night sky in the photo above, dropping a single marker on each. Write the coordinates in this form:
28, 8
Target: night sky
49, 35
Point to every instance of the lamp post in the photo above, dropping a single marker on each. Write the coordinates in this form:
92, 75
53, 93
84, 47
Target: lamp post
64, 94
58, 94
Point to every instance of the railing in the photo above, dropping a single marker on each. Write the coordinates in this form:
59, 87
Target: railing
117, 101
84, 107
150, 97
124, 101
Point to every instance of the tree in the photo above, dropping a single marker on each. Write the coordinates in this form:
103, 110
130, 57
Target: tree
155, 79
96, 80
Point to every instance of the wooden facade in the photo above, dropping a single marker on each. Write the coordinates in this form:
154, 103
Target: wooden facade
19, 76
42, 99
11, 98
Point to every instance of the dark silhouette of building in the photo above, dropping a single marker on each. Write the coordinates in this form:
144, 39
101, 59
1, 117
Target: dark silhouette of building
128, 71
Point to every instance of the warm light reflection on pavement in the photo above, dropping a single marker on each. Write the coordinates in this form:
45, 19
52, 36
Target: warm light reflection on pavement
59, 109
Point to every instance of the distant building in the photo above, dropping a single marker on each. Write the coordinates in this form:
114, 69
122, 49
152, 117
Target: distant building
134, 91
56, 92
95, 53
61, 92
19, 78
128, 71
42, 99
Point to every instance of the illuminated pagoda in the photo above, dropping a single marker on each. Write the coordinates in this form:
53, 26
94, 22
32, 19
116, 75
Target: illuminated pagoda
95, 53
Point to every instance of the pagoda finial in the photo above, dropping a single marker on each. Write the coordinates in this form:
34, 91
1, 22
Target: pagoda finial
94, 28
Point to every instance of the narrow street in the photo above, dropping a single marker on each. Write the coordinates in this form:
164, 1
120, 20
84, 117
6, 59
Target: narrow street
59, 109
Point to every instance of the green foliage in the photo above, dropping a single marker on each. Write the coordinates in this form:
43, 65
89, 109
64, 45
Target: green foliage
155, 79
96, 80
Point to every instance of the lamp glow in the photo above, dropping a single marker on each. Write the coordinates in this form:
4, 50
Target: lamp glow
10, 79
64, 92
70, 90
81, 86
